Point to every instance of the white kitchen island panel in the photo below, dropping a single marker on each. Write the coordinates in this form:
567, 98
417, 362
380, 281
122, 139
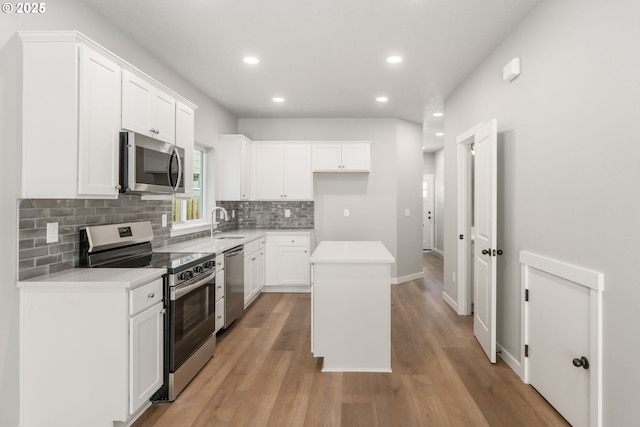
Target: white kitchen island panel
351, 306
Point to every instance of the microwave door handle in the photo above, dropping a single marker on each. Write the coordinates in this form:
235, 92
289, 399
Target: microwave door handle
169, 178
177, 153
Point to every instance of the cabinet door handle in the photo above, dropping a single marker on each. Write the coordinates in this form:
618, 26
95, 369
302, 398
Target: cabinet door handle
253, 259
151, 295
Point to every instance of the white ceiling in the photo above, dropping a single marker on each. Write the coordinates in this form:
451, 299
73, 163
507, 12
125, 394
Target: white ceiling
325, 57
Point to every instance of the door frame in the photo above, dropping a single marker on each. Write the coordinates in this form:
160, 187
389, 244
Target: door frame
432, 180
465, 283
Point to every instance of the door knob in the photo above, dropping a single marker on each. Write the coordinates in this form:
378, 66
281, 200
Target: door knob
485, 251
583, 362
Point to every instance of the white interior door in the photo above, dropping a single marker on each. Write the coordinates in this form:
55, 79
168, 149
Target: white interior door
485, 222
428, 213
559, 320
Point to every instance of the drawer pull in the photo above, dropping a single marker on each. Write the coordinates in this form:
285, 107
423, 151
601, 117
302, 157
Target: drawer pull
151, 295
219, 316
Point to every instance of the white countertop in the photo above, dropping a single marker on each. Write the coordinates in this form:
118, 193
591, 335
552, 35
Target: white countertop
103, 277
360, 252
219, 244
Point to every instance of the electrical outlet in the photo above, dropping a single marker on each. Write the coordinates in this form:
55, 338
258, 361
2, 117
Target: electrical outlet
407, 212
346, 213
287, 213
164, 220
233, 213
52, 232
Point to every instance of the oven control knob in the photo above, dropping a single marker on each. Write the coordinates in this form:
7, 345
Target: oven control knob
198, 269
186, 275
210, 264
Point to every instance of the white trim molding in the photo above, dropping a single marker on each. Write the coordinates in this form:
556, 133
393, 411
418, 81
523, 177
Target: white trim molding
450, 301
407, 278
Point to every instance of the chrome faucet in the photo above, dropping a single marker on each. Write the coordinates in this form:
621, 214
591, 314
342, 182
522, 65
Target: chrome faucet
214, 223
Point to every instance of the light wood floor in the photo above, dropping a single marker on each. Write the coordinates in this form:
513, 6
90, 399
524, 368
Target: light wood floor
263, 373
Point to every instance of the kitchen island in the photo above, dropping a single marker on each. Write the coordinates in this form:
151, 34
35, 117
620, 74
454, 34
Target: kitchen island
351, 306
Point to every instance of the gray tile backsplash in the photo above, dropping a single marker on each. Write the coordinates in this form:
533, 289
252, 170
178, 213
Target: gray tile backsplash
37, 257
272, 215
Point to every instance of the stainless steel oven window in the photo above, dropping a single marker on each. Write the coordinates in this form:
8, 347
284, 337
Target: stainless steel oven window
192, 321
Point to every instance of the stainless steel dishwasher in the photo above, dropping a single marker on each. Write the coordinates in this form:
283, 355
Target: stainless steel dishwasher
233, 284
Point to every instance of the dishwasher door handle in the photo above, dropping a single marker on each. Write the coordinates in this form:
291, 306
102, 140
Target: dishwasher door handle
234, 252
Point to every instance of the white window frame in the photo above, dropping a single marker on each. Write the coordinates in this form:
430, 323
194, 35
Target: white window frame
200, 224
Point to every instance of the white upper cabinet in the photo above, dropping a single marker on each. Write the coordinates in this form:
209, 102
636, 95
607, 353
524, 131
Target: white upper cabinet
342, 157
99, 124
233, 163
147, 109
71, 118
185, 116
283, 171
76, 98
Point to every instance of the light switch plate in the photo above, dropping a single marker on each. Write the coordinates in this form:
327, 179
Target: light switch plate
346, 213
233, 213
164, 220
407, 212
52, 232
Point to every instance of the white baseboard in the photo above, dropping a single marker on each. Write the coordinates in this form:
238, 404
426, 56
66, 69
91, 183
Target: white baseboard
438, 251
450, 301
511, 361
414, 276
287, 289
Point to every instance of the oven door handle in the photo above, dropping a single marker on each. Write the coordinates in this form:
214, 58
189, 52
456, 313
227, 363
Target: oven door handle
179, 291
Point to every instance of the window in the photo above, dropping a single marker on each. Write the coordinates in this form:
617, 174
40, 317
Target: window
191, 211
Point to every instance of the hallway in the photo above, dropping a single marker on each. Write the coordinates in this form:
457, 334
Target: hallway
263, 373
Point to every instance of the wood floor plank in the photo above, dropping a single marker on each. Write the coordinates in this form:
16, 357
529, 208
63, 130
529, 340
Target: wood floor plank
263, 373
290, 407
358, 415
325, 401
257, 403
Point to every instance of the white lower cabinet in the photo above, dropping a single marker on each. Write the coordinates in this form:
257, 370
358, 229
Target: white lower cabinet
219, 309
254, 262
287, 263
90, 355
146, 357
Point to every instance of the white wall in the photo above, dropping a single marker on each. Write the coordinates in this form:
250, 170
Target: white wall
211, 120
371, 198
409, 171
438, 162
568, 137
429, 166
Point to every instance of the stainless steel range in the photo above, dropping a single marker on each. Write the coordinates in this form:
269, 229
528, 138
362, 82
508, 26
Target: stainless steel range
189, 294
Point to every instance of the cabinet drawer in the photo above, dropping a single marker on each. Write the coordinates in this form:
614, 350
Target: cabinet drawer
219, 262
293, 240
254, 245
219, 314
145, 296
219, 285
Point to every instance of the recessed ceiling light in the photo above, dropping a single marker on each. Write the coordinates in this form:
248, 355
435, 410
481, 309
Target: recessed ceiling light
438, 114
278, 99
251, 60
439, 134
382, 99
394, 59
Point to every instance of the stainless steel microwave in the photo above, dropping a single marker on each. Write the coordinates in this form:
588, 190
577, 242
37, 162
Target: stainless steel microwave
150, 166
